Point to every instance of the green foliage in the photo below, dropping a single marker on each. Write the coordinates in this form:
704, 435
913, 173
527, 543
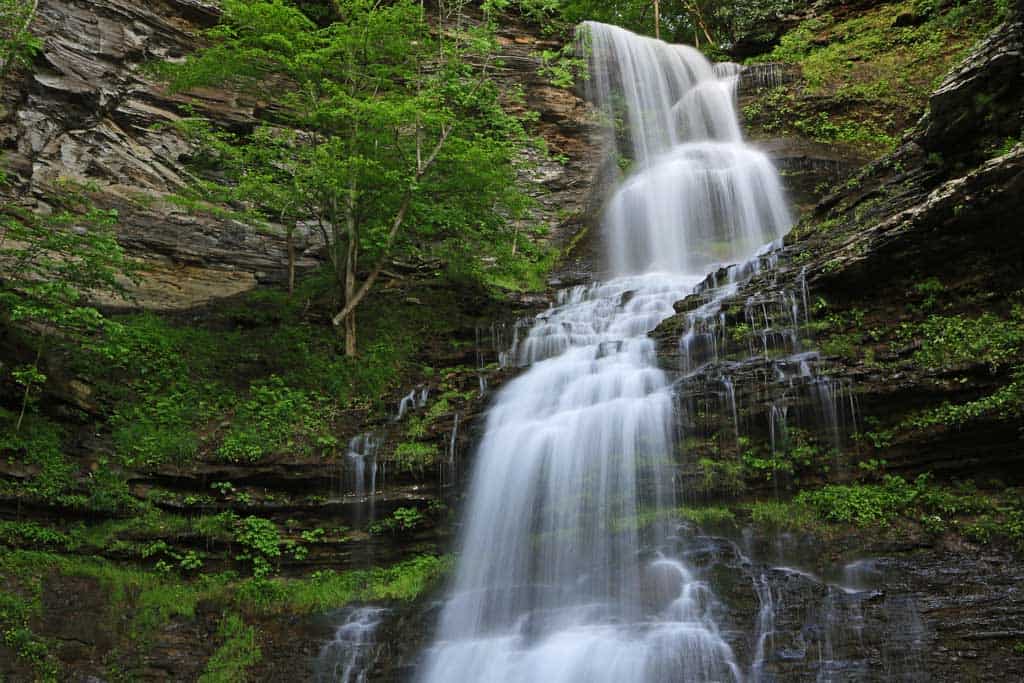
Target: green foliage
275, 419
706, 515
384, 153
957, 340
18, 46
563, 68
167, 381
413, 457
1004, 147
237, 652
154, 599
865, 77
862, 504
402, 519
781, 515
712, 25
52, 261
840, 56
874, 504
261, 544
1006, 403
34, 534
256, 380
327, 590
794, 455
931, 290
825, 128
108, 491
16, 613
50, 265
722, 476
38, 444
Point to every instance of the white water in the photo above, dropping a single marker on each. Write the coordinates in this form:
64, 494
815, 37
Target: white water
346, 658
553, 584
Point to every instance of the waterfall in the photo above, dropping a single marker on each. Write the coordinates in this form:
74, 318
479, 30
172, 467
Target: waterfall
565, 572
346, 658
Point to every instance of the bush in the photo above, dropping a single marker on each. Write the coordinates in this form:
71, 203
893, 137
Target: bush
861, 504
276, 418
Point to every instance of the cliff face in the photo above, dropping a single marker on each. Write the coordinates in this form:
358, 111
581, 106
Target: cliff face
837, 357
942, 208
859, 271
90, 112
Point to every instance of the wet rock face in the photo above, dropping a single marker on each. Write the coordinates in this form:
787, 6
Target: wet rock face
89, 112
566, 183
930, 210
791, 613
940, 207
984, 96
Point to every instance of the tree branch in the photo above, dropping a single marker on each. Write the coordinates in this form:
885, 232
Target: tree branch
396, 224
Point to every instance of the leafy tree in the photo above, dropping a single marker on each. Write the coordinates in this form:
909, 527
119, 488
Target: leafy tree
50, 262
709, 24
17, 44
385, 132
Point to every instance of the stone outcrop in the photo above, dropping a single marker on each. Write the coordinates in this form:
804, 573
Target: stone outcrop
91, 111
926, 211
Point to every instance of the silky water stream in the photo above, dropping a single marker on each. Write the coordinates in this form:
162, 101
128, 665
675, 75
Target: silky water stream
562, 575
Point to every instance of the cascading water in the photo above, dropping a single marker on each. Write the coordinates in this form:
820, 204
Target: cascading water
553, 583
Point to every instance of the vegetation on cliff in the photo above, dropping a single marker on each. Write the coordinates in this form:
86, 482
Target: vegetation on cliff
386, 134
180, 470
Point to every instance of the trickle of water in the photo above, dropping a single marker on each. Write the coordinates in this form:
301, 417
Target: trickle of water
449, 466
347, 657
551, 583
765, 625
407, 402
362, 459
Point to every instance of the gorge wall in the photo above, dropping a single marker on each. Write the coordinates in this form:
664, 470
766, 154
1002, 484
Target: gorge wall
888, 255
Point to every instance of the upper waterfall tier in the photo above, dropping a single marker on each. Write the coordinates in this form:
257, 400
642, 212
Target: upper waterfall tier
697, 197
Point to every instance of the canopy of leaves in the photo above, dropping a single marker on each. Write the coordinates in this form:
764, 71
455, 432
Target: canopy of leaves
355, 109
17, 43
725, 22
51, 261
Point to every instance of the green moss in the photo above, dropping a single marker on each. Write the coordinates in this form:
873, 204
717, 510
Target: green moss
872, 75
413, 457
237, 652
278, 419
955, 340
327, 590
154, 599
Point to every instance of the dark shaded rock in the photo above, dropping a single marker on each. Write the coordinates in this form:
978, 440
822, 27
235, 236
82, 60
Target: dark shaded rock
983, 97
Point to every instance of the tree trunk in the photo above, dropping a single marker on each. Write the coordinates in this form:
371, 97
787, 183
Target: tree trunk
350, 293
396, 224
350, 334
291, 260
351, 264
657, 20
28, 386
